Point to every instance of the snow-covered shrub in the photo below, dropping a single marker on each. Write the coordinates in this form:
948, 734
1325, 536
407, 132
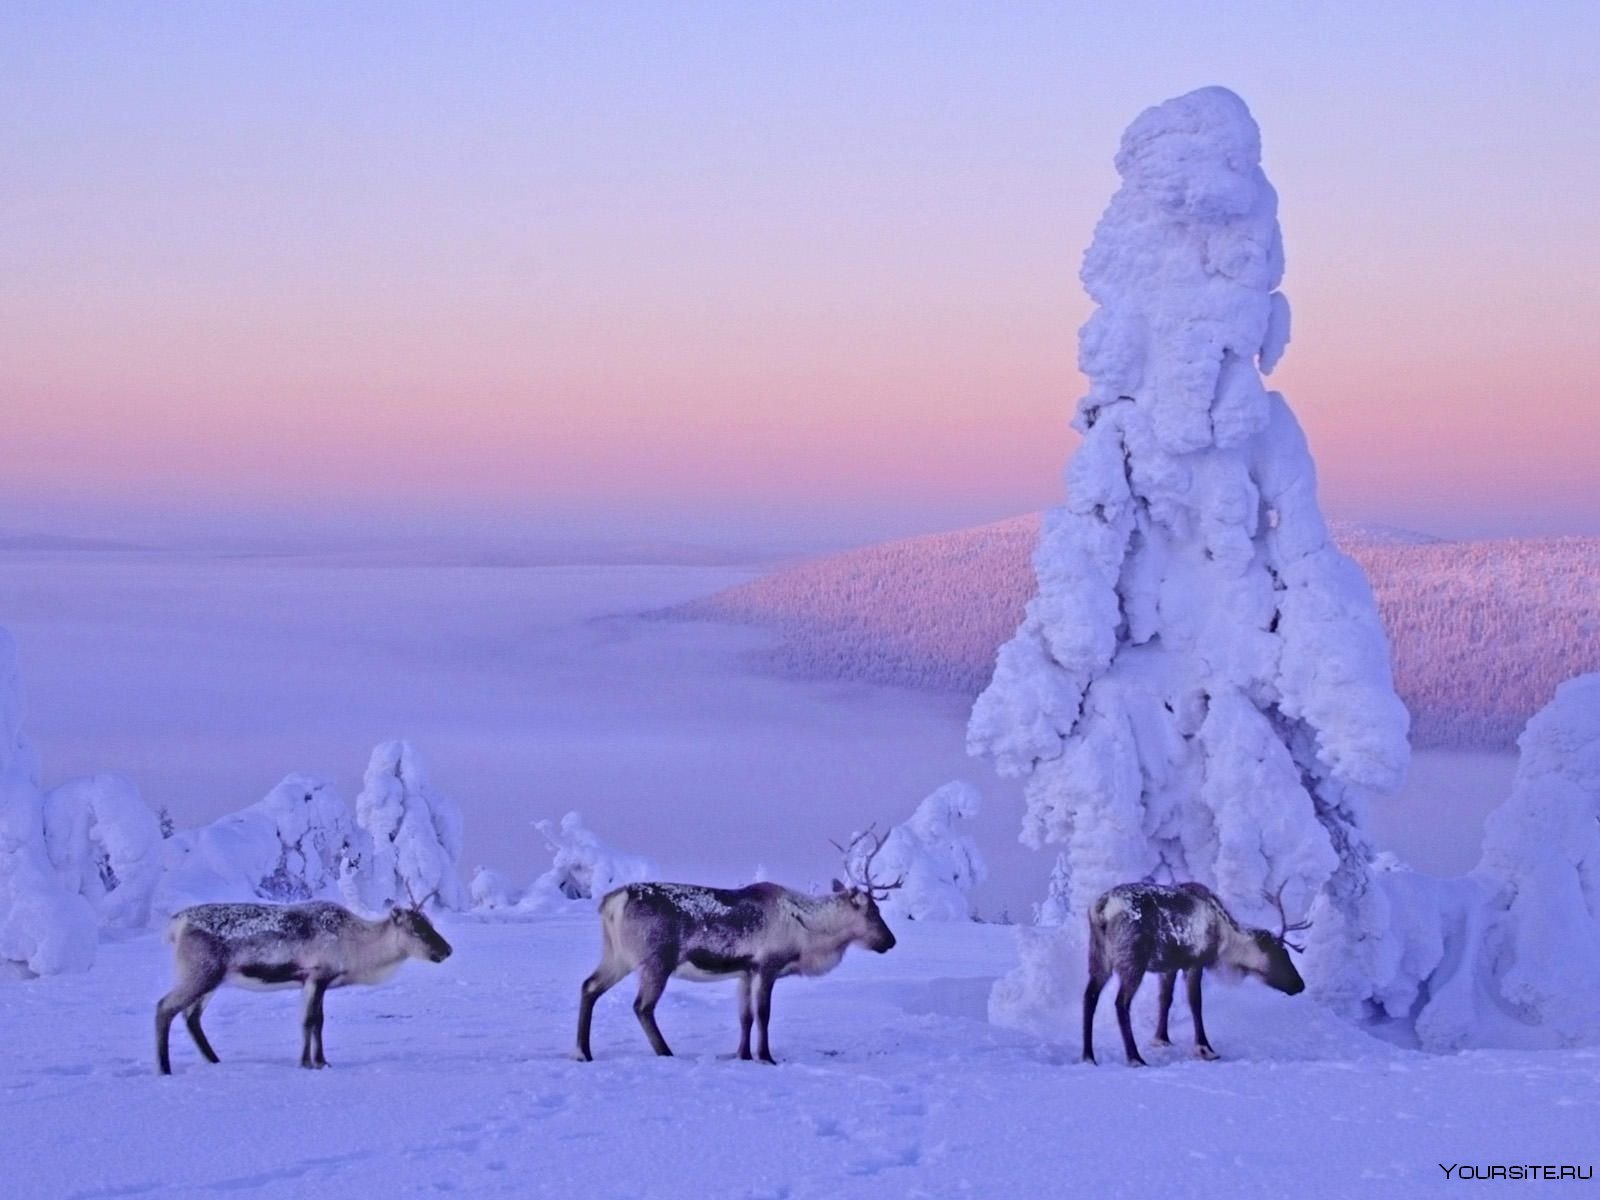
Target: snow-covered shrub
415, 831
105, 843
46, 927
299, 841
937, 864
490, 891
583, 867
1523, 963
1201, 688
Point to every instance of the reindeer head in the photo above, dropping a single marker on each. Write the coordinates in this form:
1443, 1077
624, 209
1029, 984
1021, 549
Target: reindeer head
863, 892
1279, 969
421, 939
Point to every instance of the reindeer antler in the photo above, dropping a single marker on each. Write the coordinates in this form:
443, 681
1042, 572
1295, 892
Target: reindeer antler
1285, 928
418, 905
865, 881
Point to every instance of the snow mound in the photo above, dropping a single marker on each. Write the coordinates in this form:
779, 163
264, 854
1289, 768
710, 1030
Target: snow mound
105, 844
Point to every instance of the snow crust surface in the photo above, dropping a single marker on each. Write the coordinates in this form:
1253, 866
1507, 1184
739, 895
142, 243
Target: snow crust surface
892, 1081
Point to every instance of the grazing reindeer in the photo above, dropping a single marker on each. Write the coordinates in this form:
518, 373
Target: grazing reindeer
314, 946
1139, 927
759, 933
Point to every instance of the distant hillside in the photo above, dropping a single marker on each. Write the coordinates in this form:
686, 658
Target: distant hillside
1481, 631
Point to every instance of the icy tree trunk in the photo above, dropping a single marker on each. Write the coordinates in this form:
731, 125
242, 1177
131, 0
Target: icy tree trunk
1201, 688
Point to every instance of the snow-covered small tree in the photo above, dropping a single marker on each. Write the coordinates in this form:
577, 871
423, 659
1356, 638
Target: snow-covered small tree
583, 867
1530, 947
105, 843
294, 844
415, 831
1055, 909
1201, 687
46, 927
937, 864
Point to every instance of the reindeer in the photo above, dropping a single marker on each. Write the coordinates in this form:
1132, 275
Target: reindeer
758, 933
1139, 927
314, 946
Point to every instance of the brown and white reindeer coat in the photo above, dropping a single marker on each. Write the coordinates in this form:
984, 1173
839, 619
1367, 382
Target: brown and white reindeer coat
758, 934
1136, 928
313, 946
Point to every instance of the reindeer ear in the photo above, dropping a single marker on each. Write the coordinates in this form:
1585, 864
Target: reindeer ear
839, 887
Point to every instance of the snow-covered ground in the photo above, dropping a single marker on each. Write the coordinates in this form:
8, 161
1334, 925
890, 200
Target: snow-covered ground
456, 1079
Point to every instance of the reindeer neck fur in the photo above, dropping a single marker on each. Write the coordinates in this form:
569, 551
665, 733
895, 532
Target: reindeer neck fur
1236, 945
833, 923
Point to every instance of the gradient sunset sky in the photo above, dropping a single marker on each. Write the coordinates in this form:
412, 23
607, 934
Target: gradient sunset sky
744, 268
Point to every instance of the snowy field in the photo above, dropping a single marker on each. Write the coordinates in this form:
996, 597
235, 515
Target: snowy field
456, 1079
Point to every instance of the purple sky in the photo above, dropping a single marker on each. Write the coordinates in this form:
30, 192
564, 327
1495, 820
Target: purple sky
798, 270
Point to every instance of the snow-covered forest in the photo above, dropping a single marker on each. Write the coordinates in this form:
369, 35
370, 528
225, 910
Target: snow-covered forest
1481, 632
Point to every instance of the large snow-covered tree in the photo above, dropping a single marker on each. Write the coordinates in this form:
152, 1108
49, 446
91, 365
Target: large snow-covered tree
1201, 688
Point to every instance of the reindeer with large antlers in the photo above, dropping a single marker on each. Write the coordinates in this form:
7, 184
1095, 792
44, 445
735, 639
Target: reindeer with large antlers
757, 934
1139, 927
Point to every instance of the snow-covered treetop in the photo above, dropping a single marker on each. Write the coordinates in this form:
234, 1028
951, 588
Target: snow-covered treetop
1184, 264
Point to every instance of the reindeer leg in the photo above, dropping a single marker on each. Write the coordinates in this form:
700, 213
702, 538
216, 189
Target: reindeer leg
311, 1020
764, 981
606, 976
1125, 992
191, 1018
317, 1055
1091, 1000
1169, 982
746, 1015
196, 983
1202, 1044
653, 976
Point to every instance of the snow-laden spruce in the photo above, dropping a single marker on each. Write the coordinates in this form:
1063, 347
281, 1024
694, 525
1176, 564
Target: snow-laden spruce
415, 831
46, 927
937, 864
1201, 688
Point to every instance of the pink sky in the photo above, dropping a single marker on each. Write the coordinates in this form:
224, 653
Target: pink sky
759, 263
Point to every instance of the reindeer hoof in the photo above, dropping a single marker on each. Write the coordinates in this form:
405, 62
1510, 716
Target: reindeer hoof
767, 1058
1161, 1039
1137, 1062
1207, 1053
1090, 1060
